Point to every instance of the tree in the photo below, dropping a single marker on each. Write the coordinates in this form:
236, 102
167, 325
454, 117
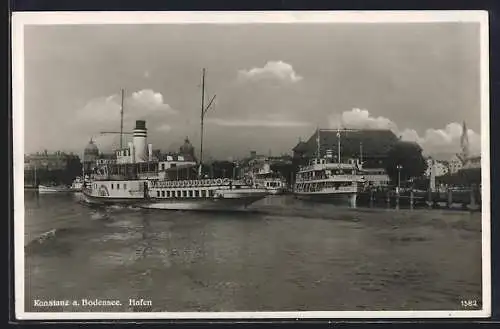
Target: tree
409, 157
285, 169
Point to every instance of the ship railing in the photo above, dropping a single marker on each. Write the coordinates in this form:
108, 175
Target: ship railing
196, 183
324, 166
335, 178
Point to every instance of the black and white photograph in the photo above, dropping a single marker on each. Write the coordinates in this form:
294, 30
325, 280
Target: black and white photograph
225, 165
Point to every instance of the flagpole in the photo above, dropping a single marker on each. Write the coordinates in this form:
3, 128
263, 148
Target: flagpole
317, 144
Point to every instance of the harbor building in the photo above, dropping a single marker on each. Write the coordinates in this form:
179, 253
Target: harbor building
45, 167
436, 168
455, 164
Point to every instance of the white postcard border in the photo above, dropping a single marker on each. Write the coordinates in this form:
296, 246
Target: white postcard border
20, 19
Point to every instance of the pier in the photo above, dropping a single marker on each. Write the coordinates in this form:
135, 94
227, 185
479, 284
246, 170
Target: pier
464, 199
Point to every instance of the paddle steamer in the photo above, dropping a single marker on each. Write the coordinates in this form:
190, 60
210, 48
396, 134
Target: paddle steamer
328, 179
137, 178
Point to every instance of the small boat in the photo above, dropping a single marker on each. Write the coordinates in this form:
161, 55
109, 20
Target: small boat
274, 185
53, 189
77, 185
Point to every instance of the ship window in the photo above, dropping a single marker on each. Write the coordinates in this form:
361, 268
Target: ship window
157, 194
191, 193
162, 194
112, 186
184, 193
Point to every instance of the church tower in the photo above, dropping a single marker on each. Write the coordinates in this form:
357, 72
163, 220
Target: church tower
464, 144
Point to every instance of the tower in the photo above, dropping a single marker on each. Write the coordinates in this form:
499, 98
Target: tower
140, 141
432, 176
464, 143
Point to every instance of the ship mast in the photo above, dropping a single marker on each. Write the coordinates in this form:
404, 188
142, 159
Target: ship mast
121, 122
202, 116
338, 142
361, 152
318, 145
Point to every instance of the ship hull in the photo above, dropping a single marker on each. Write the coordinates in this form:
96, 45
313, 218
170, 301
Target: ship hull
221, 204
230, 201
54, 189
335, 198
107, 200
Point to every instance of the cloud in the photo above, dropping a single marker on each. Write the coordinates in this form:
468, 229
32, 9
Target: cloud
103, 114
146, 74
140, 103
272, 70
257, 123
433, 141
361, 119
149, 100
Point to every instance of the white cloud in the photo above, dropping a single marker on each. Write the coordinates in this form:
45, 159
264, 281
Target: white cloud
361, 119
149, 100
106, 109
257, 123
433, 141
272, 70
103, 114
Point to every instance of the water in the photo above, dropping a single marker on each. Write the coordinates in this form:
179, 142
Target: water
284, 256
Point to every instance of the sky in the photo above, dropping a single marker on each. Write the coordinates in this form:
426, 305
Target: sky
274, 84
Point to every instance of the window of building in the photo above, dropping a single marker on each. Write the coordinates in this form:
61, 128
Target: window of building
162, 194
197, 193
157, 194
168, 194
203, 193
162, 166
190, 193
184, 193
112, 186
178, 194
124, 186
117, 186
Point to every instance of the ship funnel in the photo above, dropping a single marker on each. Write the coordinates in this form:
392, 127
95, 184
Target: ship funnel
132, 152
140, 141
